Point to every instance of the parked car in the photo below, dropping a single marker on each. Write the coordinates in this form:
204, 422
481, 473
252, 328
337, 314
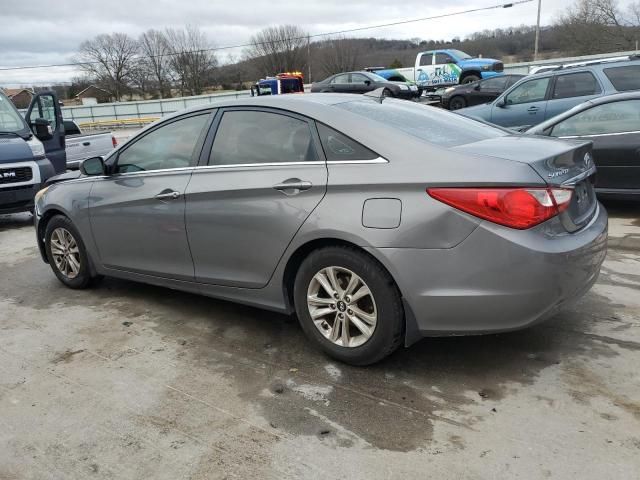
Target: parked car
80, 145
363, 82
612, 123
31, 150
549, 68
544, 95
476, 93
376, 221
441, 68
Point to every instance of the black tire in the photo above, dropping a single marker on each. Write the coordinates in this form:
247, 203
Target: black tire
388, 333
386, 93
457, 103
84, 278
470, 79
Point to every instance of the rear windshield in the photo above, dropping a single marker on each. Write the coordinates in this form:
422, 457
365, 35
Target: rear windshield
624, 78
427, 123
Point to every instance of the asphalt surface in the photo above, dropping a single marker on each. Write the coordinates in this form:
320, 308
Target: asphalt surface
131, 381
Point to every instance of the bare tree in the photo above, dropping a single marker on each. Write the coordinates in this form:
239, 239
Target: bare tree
154, 46
339, 55
110, 59
191, 58
142, 77
279, 49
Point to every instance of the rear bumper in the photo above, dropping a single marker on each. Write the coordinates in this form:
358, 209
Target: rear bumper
498, 279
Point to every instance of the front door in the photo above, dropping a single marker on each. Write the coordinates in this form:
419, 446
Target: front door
445, 71
45, 106
137, 212
265, 175
523, 105
361, 83
487, 90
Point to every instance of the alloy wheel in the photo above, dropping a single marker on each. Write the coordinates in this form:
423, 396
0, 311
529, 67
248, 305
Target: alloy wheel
65, 252
342, 306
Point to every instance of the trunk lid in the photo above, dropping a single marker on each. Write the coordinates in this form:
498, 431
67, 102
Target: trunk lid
560, 163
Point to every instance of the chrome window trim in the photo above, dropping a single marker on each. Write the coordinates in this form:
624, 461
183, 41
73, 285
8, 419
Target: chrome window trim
599, 134
377, 160
149, 172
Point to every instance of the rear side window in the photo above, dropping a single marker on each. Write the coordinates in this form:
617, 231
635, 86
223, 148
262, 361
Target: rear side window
432, 125
341, 79
615, 117
531, 91
624, 78
575, 85
338, 147
247, 137
426, 59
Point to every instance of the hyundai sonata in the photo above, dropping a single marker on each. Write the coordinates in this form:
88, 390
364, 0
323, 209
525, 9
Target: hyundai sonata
376, 221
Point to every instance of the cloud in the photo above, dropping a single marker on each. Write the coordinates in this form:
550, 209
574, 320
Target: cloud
40, 32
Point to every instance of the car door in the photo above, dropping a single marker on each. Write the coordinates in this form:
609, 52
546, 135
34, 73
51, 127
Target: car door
340, 84
571, 89
361, 83
524, 104
45, 106
614, 129
445, 70
486, 90
425, 70
264, 175
137, 211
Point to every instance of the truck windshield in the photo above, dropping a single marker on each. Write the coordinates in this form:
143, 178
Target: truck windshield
10, 119
460, 55
430, 124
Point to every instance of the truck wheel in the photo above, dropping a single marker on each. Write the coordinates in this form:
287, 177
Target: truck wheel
348, 305
470, 78
66, 253
457, 103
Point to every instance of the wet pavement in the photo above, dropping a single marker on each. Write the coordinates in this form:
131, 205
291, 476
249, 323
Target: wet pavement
134, 381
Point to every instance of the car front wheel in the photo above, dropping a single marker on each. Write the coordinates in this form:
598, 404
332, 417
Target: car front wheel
66, 253
348, 305
457, 103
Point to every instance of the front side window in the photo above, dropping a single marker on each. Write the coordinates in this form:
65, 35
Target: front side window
616, 117
249, 137
575, 85
359, 78
531, 91
624, 79
496, 83
338, 147
442, 58
169, 146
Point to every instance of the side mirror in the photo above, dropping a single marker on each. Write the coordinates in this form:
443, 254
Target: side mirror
42, 129
93, 166
501, 103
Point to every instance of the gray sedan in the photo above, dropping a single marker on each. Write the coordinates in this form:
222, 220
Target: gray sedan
376, 221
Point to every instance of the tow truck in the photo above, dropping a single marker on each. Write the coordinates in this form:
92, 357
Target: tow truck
287, 82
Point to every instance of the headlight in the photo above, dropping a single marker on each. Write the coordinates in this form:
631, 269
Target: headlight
450, 89
39, 194
403, 87
36, 147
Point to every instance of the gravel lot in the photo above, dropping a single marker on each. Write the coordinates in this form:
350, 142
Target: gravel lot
132, 381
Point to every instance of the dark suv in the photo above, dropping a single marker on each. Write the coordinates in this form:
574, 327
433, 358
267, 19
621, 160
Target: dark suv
538, 97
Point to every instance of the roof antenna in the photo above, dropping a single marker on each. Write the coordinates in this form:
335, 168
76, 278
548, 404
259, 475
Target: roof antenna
378, 94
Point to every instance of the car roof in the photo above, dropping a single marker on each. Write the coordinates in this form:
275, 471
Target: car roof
560, 70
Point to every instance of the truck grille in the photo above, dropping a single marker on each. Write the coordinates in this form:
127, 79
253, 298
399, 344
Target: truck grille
498, 67
15, 175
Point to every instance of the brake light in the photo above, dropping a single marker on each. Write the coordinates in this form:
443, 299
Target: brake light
114, 141
519, 208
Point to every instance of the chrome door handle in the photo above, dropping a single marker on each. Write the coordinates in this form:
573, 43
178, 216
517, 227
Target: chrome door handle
533, 109
168, 196
294, 184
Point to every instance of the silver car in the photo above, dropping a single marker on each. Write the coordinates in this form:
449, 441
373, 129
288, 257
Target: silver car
376, 221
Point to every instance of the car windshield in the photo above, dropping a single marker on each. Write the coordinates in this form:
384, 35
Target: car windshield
10, 118
426, 123
461, 55
376, 78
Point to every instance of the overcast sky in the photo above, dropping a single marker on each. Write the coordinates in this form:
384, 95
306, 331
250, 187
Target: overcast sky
38, 32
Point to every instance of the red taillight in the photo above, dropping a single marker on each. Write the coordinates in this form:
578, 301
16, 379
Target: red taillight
519, 208
114, 141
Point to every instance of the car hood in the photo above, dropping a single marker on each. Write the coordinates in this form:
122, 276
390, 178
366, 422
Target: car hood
70, 175
478, 62
14, 149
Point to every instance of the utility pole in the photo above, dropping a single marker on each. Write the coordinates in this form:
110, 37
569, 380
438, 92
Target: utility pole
535, 48
308, 59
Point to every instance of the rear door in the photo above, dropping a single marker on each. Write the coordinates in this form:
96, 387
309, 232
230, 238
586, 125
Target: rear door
614, 129
45, 105
525, 104
261, 175
137, 212
424, 69
571, 89
340, 84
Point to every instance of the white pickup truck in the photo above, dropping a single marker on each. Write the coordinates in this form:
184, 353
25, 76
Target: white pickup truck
81, 146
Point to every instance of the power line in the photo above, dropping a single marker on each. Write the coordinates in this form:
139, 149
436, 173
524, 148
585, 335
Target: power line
304, 37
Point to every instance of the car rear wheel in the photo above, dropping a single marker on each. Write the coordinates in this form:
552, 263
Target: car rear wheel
348, 305
457, 102
66, 253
